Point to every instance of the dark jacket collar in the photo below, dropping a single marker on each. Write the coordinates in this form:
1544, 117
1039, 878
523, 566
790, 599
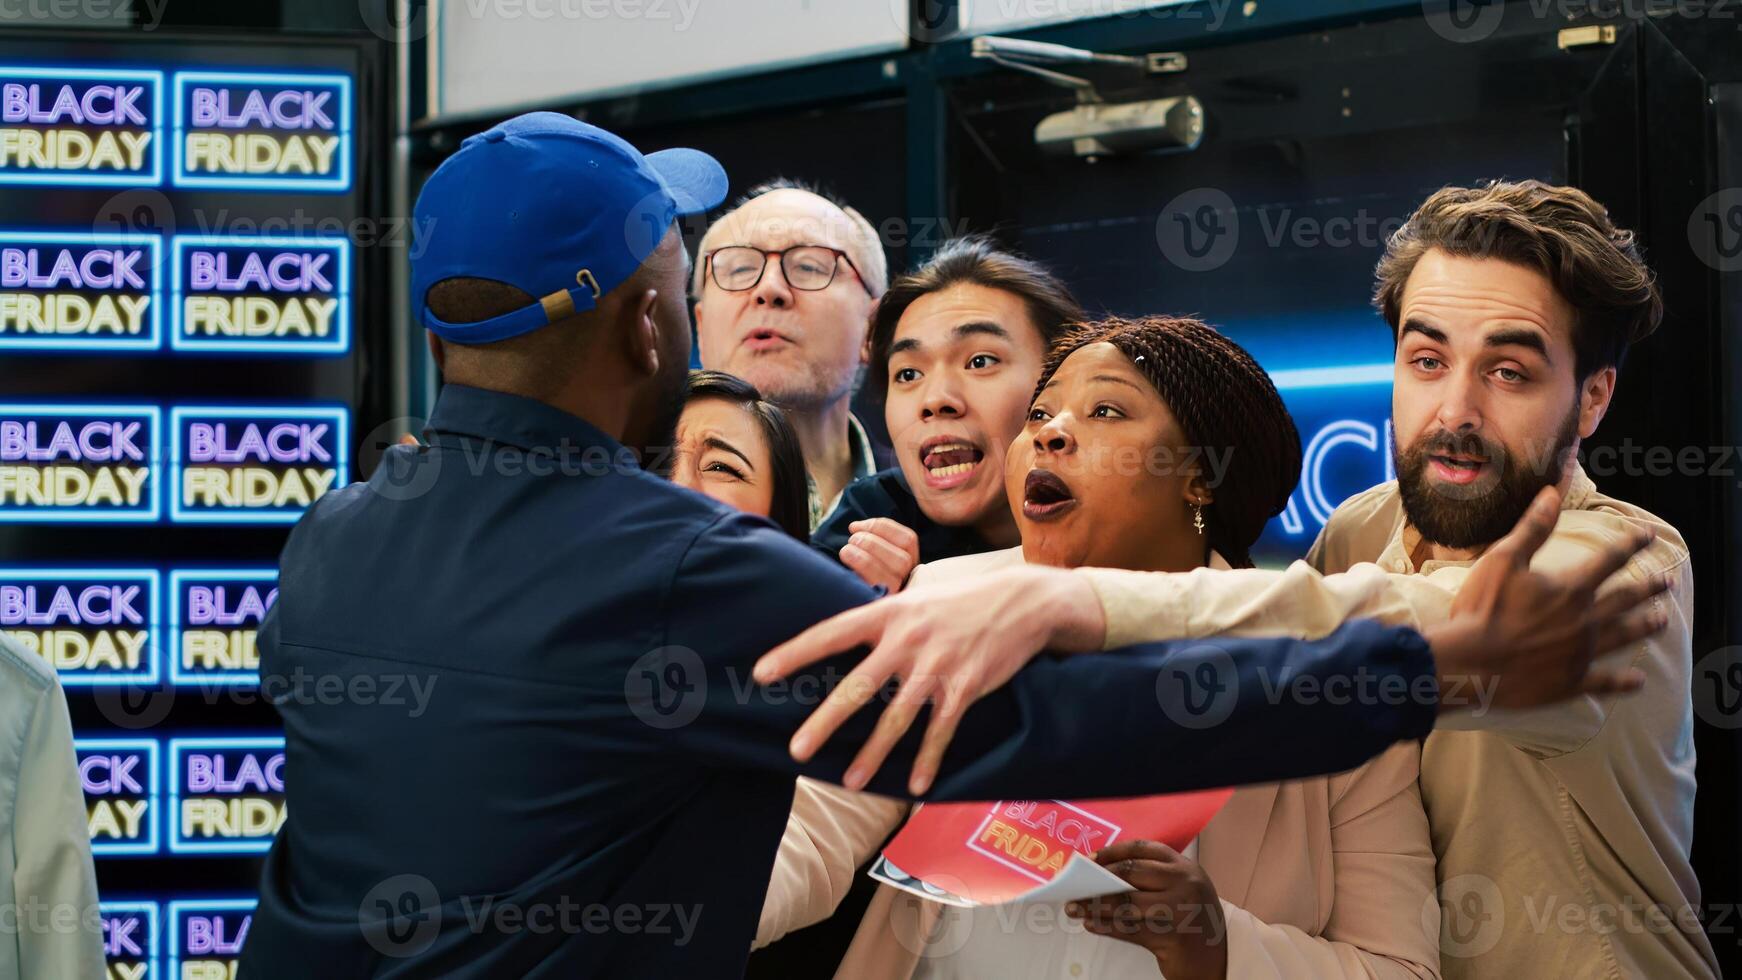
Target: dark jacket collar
514, 420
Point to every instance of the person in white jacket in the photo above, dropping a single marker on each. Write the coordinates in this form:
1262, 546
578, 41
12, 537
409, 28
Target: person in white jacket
49, 920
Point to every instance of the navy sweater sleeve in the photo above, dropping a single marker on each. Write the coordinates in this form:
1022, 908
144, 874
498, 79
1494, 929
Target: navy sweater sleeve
863, 498
1156, 718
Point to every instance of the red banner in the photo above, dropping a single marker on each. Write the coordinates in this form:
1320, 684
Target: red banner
992, 853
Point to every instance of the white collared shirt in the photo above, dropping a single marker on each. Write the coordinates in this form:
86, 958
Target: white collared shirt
861, 462
46, 875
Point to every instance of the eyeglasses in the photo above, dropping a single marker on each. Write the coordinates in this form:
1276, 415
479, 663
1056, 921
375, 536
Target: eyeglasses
736, 268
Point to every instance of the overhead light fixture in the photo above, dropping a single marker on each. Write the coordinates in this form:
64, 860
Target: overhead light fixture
1095, 127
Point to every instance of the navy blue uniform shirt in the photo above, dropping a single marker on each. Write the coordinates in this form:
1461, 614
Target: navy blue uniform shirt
589, 784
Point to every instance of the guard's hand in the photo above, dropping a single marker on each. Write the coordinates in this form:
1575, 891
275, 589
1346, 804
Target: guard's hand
948, 646
1530, 637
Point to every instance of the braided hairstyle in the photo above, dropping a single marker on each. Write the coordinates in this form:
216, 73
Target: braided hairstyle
1225, 403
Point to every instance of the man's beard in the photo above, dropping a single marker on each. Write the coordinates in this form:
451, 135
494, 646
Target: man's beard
1481, 512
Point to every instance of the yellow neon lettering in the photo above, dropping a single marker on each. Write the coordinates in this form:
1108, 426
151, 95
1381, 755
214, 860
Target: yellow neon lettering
253, 486
323, 147
67, 313
72, 650
116, 819
234, 817
219, 650
136, 144
72, 149
259, 153
71, 486
257, 316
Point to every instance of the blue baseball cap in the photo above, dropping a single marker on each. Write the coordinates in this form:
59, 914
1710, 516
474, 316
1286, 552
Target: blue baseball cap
562, 210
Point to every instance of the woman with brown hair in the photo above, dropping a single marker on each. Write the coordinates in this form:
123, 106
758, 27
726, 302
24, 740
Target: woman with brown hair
737, 447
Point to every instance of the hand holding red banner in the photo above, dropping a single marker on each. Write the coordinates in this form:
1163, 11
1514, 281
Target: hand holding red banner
1014, 850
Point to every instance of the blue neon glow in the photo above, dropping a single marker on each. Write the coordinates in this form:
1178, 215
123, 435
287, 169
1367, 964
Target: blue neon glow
177, 580
150, 505
1334, 368
152, 579
340, 418
1345, 433
151, 341
1312, 337
182, 907
337, 183
1326, 439
180, 844
1341, 376
153, 938
1290, 518
119, 178
338, 343
153, 795
1310, 392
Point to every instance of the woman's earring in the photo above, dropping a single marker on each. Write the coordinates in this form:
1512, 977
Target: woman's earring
1198, 518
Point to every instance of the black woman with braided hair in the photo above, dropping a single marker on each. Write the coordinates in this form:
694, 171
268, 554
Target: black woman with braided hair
1157, 444
1181, 452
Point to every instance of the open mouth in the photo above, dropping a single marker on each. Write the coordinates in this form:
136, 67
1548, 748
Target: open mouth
1045, 496
765, 338
949, 461
1457, 467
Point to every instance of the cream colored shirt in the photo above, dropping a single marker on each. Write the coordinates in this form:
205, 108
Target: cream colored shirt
861, 462
48, 886
1562, 834
830, 834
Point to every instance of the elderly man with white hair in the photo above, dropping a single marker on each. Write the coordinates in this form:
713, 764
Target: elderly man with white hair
784, 286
